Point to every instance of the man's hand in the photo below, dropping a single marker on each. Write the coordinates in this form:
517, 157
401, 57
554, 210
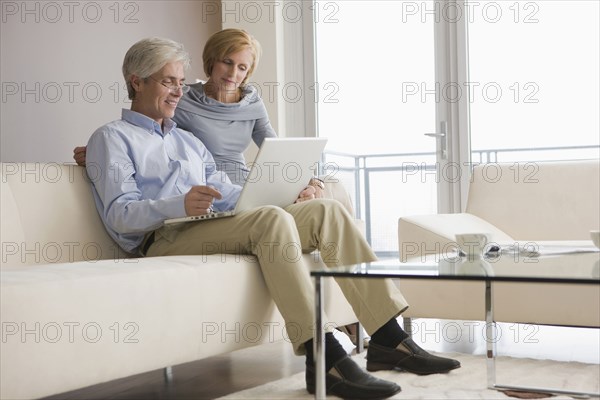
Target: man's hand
309, 193
79, 155
199, 200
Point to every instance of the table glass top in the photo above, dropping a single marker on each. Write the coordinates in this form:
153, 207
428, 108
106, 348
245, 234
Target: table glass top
574, 265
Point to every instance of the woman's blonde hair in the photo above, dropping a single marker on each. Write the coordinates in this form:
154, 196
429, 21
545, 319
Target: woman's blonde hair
149, 55
229, 41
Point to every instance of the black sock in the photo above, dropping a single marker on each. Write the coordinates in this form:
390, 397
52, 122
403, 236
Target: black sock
389, 335
333, 351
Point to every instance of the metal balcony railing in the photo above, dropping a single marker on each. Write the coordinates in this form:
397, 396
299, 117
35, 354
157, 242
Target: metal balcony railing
358, 171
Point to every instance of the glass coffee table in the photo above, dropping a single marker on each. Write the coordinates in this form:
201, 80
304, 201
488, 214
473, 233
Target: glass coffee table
573, 266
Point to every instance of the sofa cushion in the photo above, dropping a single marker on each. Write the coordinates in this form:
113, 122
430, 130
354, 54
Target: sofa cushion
538, 201
58, 217
76, 324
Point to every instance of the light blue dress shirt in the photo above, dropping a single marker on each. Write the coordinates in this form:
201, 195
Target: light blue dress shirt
141, 175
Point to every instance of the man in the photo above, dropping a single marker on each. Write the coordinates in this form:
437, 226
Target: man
148, 170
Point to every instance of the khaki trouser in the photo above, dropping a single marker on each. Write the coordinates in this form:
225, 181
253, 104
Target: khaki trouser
278, 237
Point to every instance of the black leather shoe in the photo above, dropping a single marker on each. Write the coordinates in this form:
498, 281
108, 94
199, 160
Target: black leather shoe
407, 356
348, 381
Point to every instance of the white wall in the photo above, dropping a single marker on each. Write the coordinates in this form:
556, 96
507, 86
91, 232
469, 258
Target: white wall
60, 66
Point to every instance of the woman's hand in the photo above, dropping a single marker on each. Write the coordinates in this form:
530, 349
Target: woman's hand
309, 193
79, 155
199, 200
319, 186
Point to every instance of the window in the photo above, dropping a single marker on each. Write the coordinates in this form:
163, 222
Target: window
375, 65
532, 94
534, 80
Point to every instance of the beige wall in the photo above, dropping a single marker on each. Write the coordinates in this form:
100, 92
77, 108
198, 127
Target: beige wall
262, 20
60, 66
284, 77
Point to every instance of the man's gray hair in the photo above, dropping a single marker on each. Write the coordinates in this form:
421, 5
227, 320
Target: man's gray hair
148, 56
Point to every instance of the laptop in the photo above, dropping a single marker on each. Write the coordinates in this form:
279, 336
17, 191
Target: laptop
282, 168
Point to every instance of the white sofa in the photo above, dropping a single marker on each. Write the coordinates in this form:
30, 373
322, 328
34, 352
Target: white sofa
514, 203
77, 311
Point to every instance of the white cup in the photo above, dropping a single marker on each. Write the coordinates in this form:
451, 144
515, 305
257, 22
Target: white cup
595, 235
472, 244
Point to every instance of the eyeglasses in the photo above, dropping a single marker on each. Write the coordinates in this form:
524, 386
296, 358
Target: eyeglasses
173, 88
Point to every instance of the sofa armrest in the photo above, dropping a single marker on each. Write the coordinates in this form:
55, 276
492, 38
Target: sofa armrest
422, 234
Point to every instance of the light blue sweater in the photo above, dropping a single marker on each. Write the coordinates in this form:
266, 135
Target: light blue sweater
225, 128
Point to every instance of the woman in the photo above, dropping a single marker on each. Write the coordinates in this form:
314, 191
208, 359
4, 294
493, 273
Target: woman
224, 112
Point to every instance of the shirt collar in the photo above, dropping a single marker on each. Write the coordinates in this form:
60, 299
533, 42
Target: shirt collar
147, 123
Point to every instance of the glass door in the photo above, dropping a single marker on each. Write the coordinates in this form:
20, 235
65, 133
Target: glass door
379, 95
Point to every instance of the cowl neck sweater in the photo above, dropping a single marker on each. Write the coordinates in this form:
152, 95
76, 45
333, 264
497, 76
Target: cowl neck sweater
250, 107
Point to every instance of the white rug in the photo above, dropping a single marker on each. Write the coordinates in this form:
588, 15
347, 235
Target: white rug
467, 382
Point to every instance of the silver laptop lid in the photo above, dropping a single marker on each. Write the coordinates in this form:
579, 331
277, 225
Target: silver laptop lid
282, 168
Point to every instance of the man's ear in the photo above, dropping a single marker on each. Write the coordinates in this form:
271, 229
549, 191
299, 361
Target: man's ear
135, 82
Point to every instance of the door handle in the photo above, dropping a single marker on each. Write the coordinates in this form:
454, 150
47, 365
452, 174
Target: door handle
443, 139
